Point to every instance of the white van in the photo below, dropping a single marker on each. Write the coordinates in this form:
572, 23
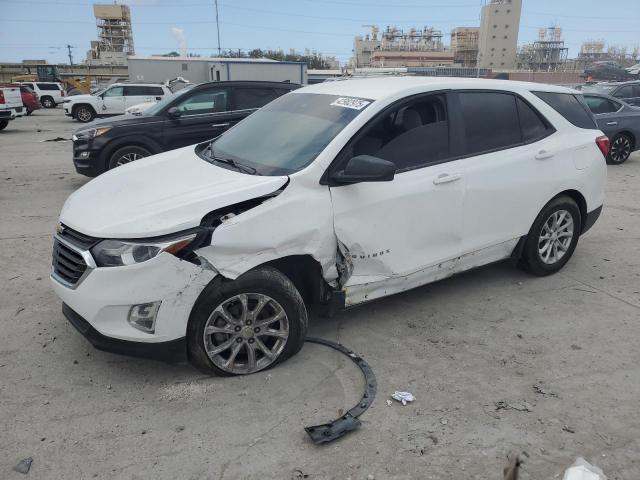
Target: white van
337, 193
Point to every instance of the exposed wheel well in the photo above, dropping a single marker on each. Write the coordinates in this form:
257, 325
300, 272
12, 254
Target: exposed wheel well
76, 107
579, 199
631, 136
110, 150
306, 274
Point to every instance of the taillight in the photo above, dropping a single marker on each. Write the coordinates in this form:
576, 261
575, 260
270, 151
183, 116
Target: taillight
1, 96
62, 92
603, 145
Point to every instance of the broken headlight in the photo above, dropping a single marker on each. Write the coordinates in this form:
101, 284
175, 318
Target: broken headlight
117, 253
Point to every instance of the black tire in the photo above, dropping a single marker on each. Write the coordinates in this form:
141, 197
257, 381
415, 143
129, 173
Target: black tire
532, 259
620, 149
266, 281
3, 124
127, 154
29, 111
84, 113
48, 102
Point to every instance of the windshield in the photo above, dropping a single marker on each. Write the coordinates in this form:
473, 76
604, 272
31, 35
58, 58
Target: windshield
99, 92
287, 134
155, 109
605, 89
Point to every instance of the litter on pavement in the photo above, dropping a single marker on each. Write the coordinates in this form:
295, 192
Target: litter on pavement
403, 397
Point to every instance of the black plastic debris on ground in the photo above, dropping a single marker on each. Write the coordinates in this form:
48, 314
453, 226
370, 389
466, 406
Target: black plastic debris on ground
327, 432
23, 465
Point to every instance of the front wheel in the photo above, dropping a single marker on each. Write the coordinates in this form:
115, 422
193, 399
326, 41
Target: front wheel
84, 114
29, 111
553, 237
620, 149
127, 155
246, 325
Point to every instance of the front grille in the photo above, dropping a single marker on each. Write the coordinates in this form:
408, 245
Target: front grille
68, 265
84, 242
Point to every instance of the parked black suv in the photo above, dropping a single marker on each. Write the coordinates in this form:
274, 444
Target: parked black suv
187, 117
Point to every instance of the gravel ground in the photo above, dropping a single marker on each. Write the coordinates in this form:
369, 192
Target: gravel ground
498, 360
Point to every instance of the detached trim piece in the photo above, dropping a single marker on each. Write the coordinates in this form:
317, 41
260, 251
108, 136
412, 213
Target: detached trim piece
327, 432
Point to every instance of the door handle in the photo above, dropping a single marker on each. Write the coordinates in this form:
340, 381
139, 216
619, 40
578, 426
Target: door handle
220, 125
446, 178
543, 155
612, 123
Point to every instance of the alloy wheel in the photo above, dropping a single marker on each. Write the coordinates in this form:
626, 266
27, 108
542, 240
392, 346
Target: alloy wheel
83, 114
128, 158
620, 149
48, 103
555, 237
246, 333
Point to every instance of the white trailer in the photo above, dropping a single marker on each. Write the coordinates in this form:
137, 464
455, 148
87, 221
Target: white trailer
208, 69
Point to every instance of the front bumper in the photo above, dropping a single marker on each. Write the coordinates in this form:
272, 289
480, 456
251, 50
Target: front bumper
171, 351
591, 219
67, 107
103, 298
88, 157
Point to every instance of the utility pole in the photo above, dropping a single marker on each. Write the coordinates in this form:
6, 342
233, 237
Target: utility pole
69, 47
218, 28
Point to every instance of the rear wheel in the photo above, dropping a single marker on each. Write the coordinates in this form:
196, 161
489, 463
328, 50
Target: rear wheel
553, 237
127, 155
29, 111
246, 325
3, 124
47, 102
620, 149
84, 113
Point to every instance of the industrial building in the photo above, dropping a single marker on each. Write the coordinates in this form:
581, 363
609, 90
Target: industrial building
397, 48
498, 38
547, 54
115, 36
464, 44
207, 69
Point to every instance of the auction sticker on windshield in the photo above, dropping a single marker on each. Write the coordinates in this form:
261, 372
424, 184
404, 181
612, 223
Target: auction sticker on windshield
351, 102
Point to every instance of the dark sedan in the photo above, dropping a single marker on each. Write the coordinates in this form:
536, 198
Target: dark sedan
188, 117
619, 121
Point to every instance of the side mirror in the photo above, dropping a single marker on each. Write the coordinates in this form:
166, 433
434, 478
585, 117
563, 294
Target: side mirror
365, 168
174, 113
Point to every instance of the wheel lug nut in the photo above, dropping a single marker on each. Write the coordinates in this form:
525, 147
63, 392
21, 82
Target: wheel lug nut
237, 329
251, 340
257, 329
239, 339
248, 322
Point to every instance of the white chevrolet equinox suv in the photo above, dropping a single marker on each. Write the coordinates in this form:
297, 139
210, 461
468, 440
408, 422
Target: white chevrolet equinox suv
337, 193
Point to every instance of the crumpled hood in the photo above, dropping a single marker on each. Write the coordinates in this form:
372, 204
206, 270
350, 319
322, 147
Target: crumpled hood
158, 195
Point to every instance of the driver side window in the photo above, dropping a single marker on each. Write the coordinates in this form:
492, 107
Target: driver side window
114, 92
209, 101
411, 136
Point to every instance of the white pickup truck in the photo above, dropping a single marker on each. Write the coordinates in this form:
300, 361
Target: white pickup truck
113, 100
10, 104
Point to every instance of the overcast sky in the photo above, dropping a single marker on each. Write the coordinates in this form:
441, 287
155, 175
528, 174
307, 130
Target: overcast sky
41, 29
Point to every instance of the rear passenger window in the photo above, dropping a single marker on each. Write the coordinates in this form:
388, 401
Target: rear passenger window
410, 136
570, 107
48, 86
624, 92
532, 125
202, 102
155, 91
490, 121
599, 105
247, 98
134, 91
